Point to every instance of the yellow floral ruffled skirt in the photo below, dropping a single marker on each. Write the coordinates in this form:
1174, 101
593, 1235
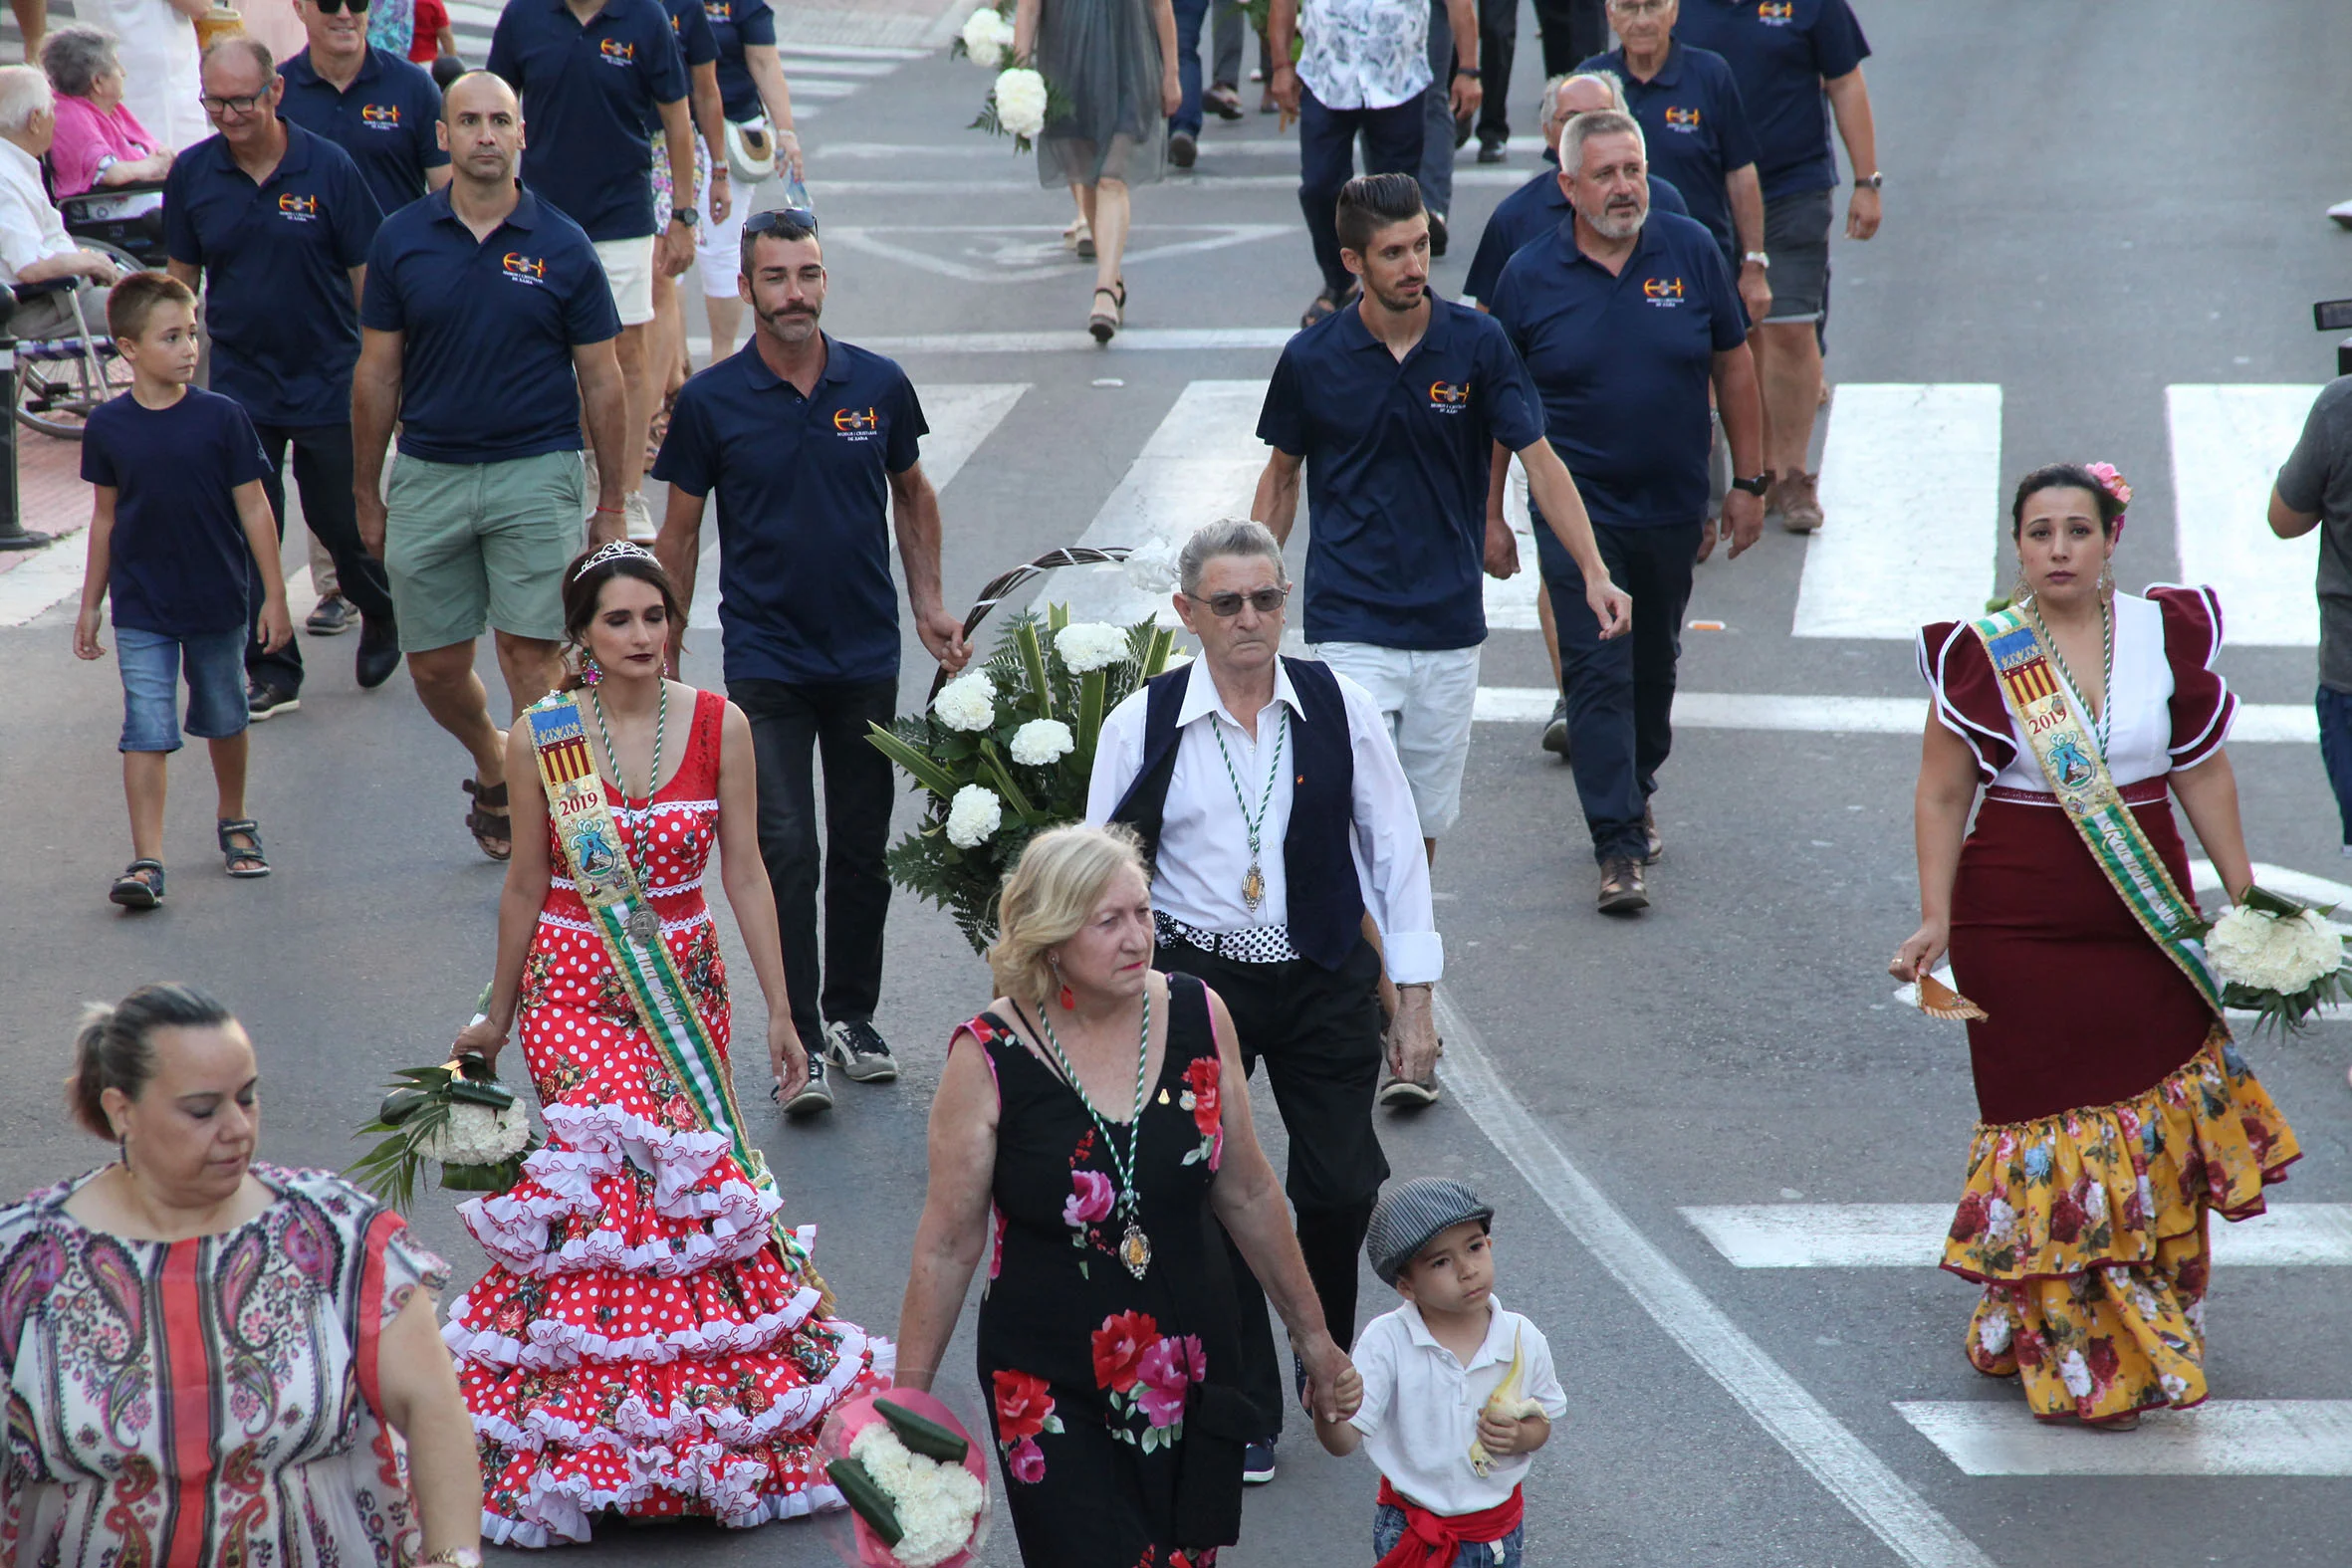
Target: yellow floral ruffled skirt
2089, 1231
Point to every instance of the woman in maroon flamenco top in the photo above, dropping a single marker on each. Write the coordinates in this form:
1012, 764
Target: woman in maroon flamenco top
2117, 1115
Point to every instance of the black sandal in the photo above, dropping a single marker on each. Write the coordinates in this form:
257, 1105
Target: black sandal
488, 819
242, 860
1104, 325
136, 888
1327, 305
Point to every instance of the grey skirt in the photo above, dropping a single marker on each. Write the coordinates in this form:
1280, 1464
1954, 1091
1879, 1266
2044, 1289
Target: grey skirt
1101, 62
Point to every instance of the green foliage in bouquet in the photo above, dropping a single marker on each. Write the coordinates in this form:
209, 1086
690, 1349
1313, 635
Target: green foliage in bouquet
997, 771
420, 1111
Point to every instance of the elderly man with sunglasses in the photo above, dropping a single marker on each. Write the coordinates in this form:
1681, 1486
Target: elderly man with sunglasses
1277, 815
811, 445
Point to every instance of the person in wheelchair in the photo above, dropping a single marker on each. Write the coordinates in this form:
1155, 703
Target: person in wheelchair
101, 146
34, 245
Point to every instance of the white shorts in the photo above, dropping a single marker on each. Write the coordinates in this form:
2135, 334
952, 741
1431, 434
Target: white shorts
718, 247
1426, 696
628, 271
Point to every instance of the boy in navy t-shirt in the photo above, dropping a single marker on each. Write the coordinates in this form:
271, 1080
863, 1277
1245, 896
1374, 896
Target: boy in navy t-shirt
181, 533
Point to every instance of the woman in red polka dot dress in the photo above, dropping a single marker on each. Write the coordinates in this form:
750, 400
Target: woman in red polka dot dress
648, 1339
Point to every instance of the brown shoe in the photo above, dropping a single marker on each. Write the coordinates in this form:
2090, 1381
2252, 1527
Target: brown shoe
1800, 505
1621, 891
1655, 842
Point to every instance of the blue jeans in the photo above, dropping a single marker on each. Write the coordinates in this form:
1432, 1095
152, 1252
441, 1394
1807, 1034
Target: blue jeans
1327, 161
152, 664
2335, 749
1621, 691
1190, 14
1436, 115
1388, 1528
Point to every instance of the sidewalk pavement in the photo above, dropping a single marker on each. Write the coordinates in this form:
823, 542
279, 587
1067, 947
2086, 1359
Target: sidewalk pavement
51, 495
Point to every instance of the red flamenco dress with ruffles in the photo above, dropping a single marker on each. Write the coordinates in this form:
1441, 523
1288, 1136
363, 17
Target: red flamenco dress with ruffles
2118, 1116
641, 1342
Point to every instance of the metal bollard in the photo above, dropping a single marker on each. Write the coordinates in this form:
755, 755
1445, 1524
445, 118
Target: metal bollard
13, 533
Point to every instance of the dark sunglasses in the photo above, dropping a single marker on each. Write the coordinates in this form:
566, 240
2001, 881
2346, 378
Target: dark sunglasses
1225, 607
330, 7
786, 223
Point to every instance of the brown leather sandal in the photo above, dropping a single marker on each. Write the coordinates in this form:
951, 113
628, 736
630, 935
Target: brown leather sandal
488, 819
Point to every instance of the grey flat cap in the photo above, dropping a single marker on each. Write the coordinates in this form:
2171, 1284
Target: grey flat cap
1410, 1214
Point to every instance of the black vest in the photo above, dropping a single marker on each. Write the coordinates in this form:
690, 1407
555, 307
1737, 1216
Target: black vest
1326, 906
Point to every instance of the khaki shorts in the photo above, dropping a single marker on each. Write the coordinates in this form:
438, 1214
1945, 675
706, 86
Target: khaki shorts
629, 272
470, 544
1428, 697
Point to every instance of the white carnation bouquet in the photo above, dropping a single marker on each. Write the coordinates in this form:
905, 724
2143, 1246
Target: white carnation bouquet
905, 1467
2278, 957
457, 1116
986, 38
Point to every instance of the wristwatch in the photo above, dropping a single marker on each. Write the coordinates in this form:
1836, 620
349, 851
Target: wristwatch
1758, 256
1754, 487
686, 215
1870, 181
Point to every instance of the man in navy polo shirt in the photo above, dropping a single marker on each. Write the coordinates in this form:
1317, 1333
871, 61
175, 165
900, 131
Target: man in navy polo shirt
811, 445
375, 105
1788, 54
1698, 133
283, 220
487, 324
1625, 318
593, 76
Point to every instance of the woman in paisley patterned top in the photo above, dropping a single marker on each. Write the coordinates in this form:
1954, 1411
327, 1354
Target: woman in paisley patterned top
210, 1360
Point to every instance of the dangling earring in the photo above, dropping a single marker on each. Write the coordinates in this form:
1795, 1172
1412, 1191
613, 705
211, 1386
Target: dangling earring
1066, 997
123, 1147
2106, 577
591, 672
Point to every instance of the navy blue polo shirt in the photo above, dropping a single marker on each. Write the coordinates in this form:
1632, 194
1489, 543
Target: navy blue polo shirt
1529, 213
803, 487
384, 120
1398, 456
690, 25
490, 325
588, 93
737, 23
178, 560
1623, 363
1780, 52
1694, 125
278, 258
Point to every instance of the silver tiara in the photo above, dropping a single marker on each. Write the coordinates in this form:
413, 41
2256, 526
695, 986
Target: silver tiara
619, 549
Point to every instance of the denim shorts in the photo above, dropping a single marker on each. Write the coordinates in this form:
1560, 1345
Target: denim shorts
1796, 237
1388, 1528
152, 663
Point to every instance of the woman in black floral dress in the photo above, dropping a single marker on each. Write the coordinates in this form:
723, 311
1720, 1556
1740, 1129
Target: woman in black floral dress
1107, 1339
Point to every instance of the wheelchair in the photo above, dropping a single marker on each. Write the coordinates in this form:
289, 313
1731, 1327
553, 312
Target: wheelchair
60, 380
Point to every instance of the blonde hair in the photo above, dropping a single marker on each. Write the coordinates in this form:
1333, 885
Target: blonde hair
1050, 895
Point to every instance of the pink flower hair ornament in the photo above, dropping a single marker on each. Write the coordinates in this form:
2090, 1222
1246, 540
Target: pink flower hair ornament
2118, 488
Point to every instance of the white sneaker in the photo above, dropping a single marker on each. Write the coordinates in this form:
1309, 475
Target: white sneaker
638, 518
2342, 213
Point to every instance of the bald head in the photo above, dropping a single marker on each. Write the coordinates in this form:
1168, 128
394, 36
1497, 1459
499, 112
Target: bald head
482, 132
482, 93
1585, 93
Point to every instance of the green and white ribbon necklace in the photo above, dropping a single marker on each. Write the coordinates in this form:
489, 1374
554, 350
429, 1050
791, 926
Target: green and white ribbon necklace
644, 926
2102, 728
1254, 885
1135, 1246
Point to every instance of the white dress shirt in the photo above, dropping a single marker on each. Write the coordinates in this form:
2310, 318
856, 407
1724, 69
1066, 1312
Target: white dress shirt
1364, 54
1204, 843
1421, 1405
30, 228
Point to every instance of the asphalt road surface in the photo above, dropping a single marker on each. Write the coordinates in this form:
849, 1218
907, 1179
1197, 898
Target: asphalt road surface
2097, 244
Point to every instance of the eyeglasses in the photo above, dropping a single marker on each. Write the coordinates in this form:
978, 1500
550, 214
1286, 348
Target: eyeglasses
330, 7
1640, 7
1225, 607
245, 105
786, 223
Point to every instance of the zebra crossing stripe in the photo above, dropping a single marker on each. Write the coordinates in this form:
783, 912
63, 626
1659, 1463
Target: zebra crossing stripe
2245, 1437
1911, 1236
2227, 445
2258, 721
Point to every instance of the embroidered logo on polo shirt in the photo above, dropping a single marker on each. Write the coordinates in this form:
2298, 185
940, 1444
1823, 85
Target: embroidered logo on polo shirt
1776, 13
617, 52
524, 268
1663, 292
857, 426
719, 10
298, 209
1447, 398
1685, 120
381, 117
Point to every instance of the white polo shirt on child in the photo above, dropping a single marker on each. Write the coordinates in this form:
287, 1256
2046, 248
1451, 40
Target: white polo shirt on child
1421, 1405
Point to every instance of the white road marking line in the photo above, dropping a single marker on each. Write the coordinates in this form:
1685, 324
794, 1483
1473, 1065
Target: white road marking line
2237, 1437
1511, 602
1911, 481
793, 45
2258, 723
820, 88
961, 416
2228, 443
1801, 1424
1213, 150
1462, 179
1202, 463
1145, 340
2282, 879
1911, 1236
801, 61
1025, 253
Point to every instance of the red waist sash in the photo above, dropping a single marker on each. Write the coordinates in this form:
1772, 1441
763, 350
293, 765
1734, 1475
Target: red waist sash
1434, 1540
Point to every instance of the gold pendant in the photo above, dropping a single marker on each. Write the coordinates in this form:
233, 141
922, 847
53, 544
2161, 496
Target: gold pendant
1135, 1249
1253, 886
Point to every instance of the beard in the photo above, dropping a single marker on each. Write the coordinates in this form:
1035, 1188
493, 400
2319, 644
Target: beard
1621, 223
1398, 302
